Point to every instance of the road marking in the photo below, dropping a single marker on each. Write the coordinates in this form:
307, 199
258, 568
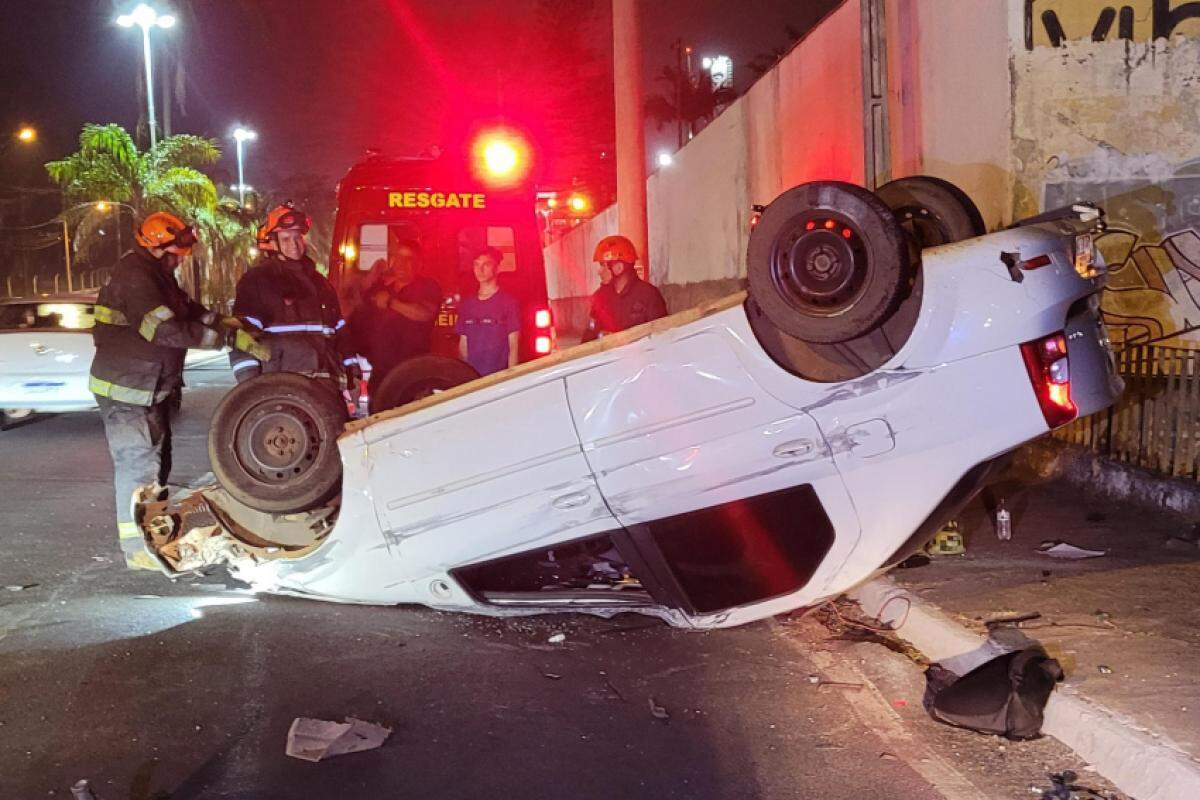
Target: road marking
874, 711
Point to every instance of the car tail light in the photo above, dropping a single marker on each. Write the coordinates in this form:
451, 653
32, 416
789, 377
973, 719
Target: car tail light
1036, 263
542, 345
1050, 372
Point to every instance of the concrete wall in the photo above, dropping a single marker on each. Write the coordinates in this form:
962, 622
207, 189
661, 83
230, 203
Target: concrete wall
1117, 121
948, 81
800, 122
1025, 104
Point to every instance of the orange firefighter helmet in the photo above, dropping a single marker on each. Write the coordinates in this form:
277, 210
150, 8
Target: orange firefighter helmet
284, 218
162, 229
615, 248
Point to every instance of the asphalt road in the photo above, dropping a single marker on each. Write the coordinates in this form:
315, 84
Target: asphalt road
152, 689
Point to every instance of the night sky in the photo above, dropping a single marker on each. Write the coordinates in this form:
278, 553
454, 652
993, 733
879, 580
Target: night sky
323, 81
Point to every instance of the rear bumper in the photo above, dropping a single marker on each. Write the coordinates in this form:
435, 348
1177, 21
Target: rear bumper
49, 393
1095, 384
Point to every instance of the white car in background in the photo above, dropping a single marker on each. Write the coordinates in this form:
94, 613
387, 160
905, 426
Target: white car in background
745, 458
46, 352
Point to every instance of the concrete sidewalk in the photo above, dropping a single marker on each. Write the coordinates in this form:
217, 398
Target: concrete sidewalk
1124, 625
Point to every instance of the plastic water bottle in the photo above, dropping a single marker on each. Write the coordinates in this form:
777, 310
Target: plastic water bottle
1003, 523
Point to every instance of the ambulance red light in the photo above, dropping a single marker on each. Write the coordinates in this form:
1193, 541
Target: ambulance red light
501, 157
541, 345
541, 318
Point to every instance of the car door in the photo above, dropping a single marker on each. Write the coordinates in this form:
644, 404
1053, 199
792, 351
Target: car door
495, 473
730, 497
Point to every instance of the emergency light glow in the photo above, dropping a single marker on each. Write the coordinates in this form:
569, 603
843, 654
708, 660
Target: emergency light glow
349, 251
501, 157
579, 203
541, 319
541, 345
27, 134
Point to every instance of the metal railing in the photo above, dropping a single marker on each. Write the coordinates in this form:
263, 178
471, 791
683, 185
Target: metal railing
15, 286
1156, 422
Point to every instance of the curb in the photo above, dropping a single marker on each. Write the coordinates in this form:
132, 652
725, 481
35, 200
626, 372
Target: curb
1093, 473
1137, 762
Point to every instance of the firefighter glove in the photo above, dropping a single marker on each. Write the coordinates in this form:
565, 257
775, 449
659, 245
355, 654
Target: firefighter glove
241, 340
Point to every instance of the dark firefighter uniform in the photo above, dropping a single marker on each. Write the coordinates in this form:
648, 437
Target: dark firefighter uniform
291, 306
295, 313
144, 325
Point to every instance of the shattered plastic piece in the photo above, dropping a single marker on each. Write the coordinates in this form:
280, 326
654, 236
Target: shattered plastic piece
1005, 696
552, 676
1104, 669
20, 587
1058, 549
316, 739
557, 638
82, 790
657, 711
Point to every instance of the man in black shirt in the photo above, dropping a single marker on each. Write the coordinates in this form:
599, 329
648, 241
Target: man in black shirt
394, 322
626, 300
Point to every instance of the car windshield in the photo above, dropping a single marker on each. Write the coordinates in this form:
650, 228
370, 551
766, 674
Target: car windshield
46, 316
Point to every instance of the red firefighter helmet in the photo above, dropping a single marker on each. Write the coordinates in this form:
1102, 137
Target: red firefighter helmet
162, 229
615, 248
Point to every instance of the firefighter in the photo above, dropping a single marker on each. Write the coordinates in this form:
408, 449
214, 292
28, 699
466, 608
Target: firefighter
290, 306
144, 325
626, 300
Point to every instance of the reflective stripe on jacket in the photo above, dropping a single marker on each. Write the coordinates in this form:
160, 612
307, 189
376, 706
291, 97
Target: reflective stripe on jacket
144, 325
293, 310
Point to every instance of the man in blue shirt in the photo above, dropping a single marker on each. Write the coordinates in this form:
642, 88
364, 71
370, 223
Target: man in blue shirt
489, 324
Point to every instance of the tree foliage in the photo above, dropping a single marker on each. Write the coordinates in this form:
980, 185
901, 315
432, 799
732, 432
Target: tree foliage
167, 177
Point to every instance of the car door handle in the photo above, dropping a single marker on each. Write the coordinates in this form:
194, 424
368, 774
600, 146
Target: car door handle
793, 449
572, 500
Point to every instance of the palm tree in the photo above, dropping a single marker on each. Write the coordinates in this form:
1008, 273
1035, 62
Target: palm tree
108, 166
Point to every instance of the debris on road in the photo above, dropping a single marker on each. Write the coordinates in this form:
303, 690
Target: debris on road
557, 638
948, 541
1005, 696
657, 711
20, 587
1104, 669
82, 790
551, 675
316, 739
818, 681
1060, 549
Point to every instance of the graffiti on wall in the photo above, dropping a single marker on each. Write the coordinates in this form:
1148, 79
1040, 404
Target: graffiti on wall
1050, 23
1152, 249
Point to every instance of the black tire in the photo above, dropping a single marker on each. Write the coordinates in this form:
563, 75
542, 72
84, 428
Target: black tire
828, 262
273, 442
419, 377
933, 211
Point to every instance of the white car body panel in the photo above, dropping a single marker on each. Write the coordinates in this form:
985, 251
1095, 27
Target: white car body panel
46, 370
698, 416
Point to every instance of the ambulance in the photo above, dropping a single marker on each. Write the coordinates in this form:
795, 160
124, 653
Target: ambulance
452, 202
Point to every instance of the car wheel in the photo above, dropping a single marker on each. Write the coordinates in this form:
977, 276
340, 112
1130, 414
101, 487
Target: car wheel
419, 377
932, 211
273, 442
828, 262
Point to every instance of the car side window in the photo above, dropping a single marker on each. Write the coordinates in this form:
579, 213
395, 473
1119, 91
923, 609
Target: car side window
47, 316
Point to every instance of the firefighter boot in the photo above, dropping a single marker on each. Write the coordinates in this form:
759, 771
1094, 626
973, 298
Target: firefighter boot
132, 548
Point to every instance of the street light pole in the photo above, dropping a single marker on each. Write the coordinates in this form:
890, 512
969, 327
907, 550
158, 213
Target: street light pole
242, 135
67, 251
146, 17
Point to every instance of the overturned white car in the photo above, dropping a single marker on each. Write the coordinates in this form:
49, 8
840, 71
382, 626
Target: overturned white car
734, 461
